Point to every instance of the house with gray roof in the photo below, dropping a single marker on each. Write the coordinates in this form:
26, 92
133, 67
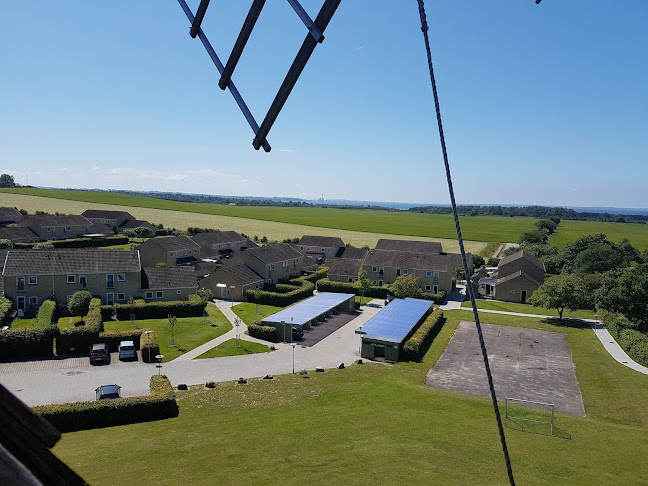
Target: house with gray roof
352, 253
344, 270
50, 227
107, 217
412, 246
168, 283
10, 216
221, 244
232, 281
273, 262
323, 246
19, 235
171, 250
433, 272
518, 276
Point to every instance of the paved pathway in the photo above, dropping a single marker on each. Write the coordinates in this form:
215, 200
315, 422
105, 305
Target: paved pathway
56, 384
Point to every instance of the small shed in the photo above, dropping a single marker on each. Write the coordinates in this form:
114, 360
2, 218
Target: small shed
309, 311
385, 333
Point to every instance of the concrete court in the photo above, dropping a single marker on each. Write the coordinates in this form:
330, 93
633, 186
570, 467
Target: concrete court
525, 363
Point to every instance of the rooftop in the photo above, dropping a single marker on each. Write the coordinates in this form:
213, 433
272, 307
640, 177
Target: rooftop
64, 261
168, 278
395, 321
219, 237
308, 309
172, 243
274, 253
242, 274
412, 246
321, 241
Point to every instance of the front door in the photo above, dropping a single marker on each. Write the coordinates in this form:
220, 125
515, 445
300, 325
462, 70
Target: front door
110, 298
20, 303
223, 292
379, 350
523, 296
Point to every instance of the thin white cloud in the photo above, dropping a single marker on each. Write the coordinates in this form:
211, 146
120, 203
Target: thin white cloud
287, 150
358, 48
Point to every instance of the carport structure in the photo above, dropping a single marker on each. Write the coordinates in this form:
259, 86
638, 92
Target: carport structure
309, 312
385, 333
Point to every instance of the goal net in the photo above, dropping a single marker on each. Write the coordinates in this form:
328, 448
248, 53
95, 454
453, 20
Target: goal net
530, 416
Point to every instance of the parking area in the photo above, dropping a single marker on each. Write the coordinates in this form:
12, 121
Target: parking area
525, 363
315, 334
62, 363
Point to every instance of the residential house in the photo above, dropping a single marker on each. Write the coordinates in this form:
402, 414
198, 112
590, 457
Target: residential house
412, 246
19, 235
172, 251
10, 216
57, 227
221, 244
232, 281
32, 276
132, 224
352, 253
321, 246
344, 270
273, 262
433, 272
109, 218
168, 283
518, 276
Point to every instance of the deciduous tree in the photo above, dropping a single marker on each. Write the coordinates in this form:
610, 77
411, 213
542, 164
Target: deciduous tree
560, 292
406, 286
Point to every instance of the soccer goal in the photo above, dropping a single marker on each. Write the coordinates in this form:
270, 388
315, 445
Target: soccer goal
529, 415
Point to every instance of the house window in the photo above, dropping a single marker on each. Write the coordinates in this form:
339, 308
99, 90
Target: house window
110, 281
48, 230
374, 269
148, 295
350, 280
512, 291
428, 288
322, 250
71, 279
159, 294
195, 252
373, 282
380, 283
382, 269
301, 247
436, 276
68, 228
338, 277
405, 272
428, 274
32, 280
171, 253
121, 277
179, 292
435, 289
272, 266
110, 298
121, 296
83, 282
33, 301
329, 250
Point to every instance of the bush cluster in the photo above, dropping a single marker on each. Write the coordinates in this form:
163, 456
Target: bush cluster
82, 337
326, 285
69, 417
438, 298
81, 242
194, 307
113, 338
267, 333
633, 342
5, 311
299, 289
149, 346
416, 346
313, 277
47, 314
17, 343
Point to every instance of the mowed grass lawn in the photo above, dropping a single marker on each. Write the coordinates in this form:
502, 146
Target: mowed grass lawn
247, 311
189, 332
377, 424
229, 348
527, 309
477, 228
572, 230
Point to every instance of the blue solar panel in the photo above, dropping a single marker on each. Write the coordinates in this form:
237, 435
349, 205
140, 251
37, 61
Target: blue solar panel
394, 322
309, 309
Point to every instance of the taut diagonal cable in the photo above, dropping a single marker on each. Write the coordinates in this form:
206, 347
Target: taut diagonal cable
424, 29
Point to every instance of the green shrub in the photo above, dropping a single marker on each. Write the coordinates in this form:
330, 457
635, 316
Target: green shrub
438, 298
267, 333
79, 339
149, 346
313, 277
416, 346
326, 285
79, 303
194, 307
69, 417
107, 312
300, 290
5, 311
113, 338
16, 343
47, 314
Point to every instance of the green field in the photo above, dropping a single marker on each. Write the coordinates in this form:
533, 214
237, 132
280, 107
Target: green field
189, 332
182, 220
247, 311
527, 309
572, 230
476, 228
229, 348
380, 424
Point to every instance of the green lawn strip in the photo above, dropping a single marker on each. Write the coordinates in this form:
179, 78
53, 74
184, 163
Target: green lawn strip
229, 348
373, 421
24, 323
363, 300
528, 309
247, 311
68, 322
189, 332
490, 249
478, 228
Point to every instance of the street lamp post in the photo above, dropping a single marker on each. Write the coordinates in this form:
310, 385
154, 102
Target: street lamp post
148, 343
237, 321
293, 346
232, 287
159, 365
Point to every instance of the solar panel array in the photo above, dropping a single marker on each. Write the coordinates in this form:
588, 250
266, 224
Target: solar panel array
309, 309
394, 322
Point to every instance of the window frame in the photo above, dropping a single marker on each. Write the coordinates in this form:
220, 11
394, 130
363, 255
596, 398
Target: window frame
71, 279
121, 277
35, 280
159, 294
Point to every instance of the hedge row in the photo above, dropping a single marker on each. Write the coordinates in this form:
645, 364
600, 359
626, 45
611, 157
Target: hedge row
415, 347
267, 333
194, 307
113, 338
149, 346
18, 343
82, 337
313, 277
326, 285
438, 298
300, 290
80, 242
5, 311
69, 417
47, 314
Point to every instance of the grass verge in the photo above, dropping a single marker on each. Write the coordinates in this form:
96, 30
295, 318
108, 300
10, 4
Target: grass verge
528, 309
229, 348
247, 311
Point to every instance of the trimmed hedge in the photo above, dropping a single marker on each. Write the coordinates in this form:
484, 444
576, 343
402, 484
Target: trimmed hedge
113, 338
5, 311
149, 346
267, 333
27, 342
69, 417
47, 314
416, 346
438, 298
326, 285
194, 307
300, 289
82, 337
313, 277
81, 242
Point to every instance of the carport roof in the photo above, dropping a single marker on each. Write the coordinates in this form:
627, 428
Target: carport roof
393, 323
309, 309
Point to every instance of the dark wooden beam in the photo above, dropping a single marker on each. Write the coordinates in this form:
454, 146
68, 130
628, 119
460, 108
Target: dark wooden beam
200, 15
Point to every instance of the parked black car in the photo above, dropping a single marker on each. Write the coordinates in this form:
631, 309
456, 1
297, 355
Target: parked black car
108, 391
99, 353
297, 333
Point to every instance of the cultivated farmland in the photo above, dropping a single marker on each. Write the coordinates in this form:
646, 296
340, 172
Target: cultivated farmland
182, 220
572, 230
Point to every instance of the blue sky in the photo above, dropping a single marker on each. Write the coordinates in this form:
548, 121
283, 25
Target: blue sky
542, 104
